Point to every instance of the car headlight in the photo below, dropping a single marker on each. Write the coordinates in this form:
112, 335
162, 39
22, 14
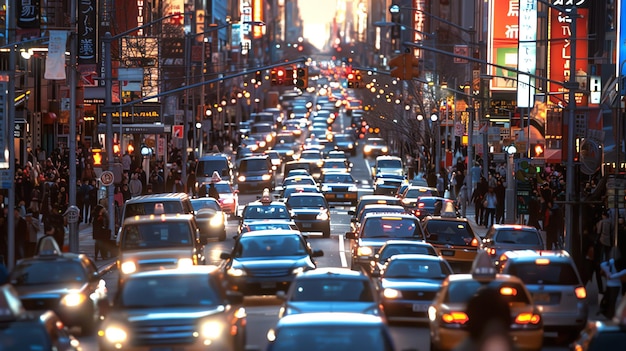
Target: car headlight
73, 299
266, 177
217, 220
350, 146
228, 200
385, 149
236, 272
364, 251
392, 293
129, 267
322, 216
241, 178
211, 330
297, 270
115, 334
268, 138
325, 188
406, 201
367, 149
289, 153
353, 189
320, 163
185, 262
262, 144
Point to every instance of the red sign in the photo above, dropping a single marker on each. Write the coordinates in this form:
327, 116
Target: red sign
177, 131
503, 43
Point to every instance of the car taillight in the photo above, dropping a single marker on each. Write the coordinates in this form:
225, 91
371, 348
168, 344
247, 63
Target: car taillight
527, 318
491, 251
581, 292
455, 318
474, 242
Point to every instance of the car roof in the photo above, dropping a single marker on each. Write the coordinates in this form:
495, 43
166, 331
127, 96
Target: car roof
340, 319
407, 242
336, 272
388, 157
196, 269
307, 194
157, 197
513, 226
414, 256
177, 217
256, 233
499, 277
531, 255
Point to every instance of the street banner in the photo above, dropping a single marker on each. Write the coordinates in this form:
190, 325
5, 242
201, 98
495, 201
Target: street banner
55, 63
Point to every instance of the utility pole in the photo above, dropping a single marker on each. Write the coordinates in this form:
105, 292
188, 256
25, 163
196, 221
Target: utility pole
571, 134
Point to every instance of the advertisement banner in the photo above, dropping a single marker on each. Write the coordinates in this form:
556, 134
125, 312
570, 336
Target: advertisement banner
503, 41
87, 34
55, 62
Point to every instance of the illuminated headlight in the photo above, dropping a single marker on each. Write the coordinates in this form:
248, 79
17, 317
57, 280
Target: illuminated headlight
211, 330
73, 299
268, 138
367, 149
185, 262
217, 220
289, 153
392, 294
353, 189
350, 146
253, 148
320, 163
241, 179
236, 272
129, 267
266, 177
365, 251
323, 216
114, 334
325, 188
380, 181
385, 149
406, 201
262, 143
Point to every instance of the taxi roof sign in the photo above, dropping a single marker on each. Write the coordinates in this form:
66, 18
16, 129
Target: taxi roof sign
482, 267
215, 178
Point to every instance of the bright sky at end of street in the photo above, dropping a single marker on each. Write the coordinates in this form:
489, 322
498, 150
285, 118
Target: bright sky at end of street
317, 16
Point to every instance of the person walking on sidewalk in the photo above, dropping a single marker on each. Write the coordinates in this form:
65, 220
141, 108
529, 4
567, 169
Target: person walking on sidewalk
463, 199
100, 232
489, 203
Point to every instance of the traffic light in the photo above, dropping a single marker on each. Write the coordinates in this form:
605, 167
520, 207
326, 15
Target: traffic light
351, 80
258, 77
207, 113
302, 78
289, 77
280, 76
96, 154
537, 150
404, 66
273, 77
394, 10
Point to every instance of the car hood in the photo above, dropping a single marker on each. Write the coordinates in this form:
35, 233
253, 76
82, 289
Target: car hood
157, 253
48, 290
272, 262
332, 185
147, 315
308, 210
331, 306
411, 284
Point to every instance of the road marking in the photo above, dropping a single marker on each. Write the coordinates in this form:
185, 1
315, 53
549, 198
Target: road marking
342, 257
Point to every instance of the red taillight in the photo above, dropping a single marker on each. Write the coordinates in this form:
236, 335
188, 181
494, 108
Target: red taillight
455, 318
581, 292
421, 205
491, 251
474, 242
527, 318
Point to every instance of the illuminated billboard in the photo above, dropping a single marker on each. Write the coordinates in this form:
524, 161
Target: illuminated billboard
503, 41
527, 53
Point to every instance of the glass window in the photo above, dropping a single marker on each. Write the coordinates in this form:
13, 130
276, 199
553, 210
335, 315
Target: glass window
46, 272
173, 290
555, 273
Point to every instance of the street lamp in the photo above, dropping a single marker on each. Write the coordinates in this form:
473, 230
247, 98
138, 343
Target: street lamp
511, 150
435, 129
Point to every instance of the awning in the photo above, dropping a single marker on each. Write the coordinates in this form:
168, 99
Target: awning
134, 128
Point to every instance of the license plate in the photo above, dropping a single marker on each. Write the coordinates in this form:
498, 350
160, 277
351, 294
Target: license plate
541, 297
306, 225
447, 253
269, 285
340, 196
420, 307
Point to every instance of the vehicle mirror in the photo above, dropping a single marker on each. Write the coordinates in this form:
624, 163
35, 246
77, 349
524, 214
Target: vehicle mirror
225, 255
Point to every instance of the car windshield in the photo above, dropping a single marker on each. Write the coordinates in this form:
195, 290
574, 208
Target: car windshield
223, 188
299, 180
257, 164
23, 337
389, 164
555, 273
389, 250
463, 290
205, 203
449, 233
270, 246
156, 235
521, 237
48, 272
266, 226
338, 178
416, 269
207, 167
306, 202
323, 289
148, 208
390, 227
331, 338
167, 291
266, 212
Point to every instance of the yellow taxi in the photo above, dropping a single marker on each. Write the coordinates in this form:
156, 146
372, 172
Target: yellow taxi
453, 238
448, 313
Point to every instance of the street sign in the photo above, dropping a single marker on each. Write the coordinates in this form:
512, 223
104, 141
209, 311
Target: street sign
523, 194
5, 179
107, 178
73, 214
616, 191
177, 131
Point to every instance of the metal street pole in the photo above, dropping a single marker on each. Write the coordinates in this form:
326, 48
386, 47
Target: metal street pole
571, 130
108, 110
12, 15
73, 212
510, 185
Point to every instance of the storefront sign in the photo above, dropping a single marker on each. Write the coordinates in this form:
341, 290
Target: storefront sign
503, 41
136, 114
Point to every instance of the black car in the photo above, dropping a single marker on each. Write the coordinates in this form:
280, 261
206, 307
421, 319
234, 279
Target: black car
29, 330
398, 247
310, 211
339, 186
175, 309
388, 184
263, 262
408, 284
67, 283
255, 173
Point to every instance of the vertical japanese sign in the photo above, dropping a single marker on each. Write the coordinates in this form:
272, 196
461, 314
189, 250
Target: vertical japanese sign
176, 9
28, 13
503, 41
4, 129
621, 43
559, 51
87, 40
257, 18
527, 53
419, 24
